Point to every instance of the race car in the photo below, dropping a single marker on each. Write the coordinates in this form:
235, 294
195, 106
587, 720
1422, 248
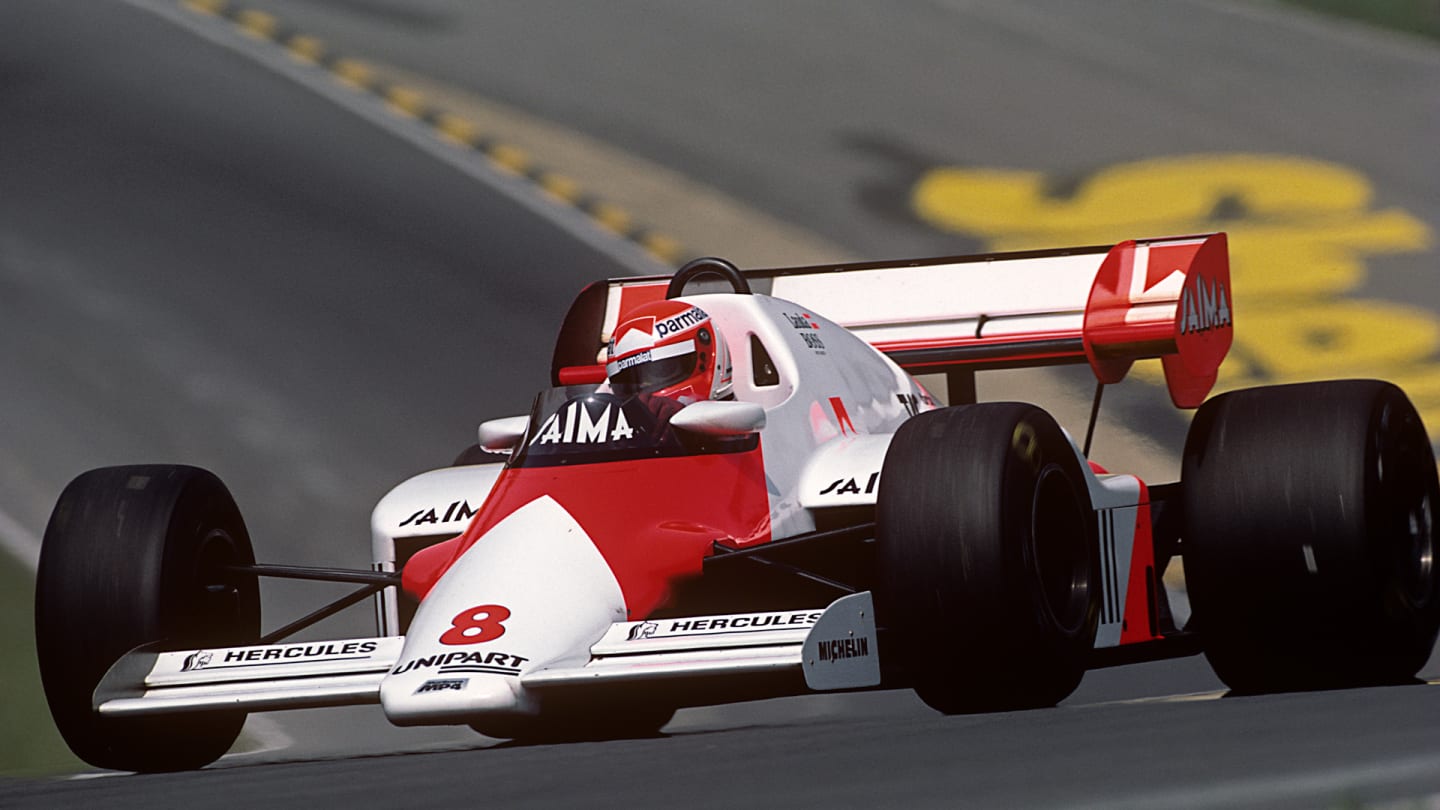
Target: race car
736, 489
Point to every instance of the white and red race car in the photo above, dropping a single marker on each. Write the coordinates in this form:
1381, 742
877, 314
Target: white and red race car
830, 527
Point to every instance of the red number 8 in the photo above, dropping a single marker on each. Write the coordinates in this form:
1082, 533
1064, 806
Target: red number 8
475, 625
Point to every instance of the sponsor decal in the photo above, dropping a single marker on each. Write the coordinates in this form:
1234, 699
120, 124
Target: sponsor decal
804, 325
1204, 305
492, 662
642, 630
457, 510
627, 362
731, 624
282, 654
681, 322
196, 660
839, 649
717, 625
801, 321
442, 685
577, 423
849, 486
665, 352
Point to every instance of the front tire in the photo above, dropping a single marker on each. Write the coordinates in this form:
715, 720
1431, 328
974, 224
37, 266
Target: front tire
988, 563
1310, 536
131, 557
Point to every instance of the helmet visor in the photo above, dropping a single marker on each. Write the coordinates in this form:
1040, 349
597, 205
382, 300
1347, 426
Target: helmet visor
646, 374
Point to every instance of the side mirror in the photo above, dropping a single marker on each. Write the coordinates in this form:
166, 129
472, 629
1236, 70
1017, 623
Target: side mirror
501, 435
713, 418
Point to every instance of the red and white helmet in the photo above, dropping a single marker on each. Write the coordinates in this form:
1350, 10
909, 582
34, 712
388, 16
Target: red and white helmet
671, 349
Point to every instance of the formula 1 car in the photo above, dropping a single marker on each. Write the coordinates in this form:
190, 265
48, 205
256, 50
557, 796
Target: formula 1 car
814, 521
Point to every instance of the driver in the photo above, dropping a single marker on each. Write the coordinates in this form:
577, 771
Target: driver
669, 349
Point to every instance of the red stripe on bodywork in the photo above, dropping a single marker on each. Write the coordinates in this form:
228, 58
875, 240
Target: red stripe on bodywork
653, 520
842, 416
1142, 567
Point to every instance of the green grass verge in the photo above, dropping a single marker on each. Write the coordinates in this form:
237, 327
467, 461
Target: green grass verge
29, 743
1415, 16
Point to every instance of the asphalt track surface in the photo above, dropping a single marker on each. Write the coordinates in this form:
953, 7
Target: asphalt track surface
1309, 141
203, 261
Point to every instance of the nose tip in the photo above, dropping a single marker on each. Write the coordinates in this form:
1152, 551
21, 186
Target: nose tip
420, 698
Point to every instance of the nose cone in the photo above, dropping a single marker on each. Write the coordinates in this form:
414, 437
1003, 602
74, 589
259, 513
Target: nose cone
443, 694
533, 592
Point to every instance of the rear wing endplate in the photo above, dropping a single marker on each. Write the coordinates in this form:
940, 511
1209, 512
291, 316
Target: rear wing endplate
1108, 306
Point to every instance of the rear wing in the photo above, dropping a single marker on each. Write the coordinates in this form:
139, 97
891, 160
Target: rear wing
1108, 306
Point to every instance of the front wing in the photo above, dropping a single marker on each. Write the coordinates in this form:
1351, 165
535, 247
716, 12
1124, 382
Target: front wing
835, 648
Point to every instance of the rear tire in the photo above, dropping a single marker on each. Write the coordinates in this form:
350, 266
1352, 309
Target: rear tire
1309, 540
131, 558
987, 558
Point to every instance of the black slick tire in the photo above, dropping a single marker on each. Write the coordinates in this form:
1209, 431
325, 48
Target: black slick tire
131, 557
988, 582
1309, 537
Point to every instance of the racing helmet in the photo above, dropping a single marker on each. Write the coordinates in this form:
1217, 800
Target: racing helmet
669, 349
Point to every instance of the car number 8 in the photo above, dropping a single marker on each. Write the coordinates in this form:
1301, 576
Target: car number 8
476, 625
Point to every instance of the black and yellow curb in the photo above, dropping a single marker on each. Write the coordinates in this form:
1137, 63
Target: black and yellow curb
449, 127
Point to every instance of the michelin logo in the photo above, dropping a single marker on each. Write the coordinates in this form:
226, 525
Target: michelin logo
837, 649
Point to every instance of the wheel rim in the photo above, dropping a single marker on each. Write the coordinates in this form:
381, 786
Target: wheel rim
1419, 575
1062, 557
217, 597
1410, 526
